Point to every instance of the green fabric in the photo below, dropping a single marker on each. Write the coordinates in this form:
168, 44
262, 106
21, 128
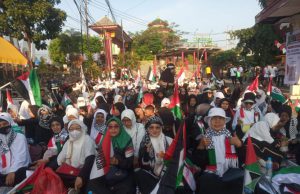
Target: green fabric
212, 157
17, 129
121, 140
177, 112
254, 168
35, 87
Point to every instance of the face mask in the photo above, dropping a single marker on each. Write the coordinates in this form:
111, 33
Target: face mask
75, 134
5, 130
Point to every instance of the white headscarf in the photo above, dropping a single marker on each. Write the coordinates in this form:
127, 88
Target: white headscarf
117, 98
261, 129
164, 102
130, 115
95, 129
71, 111
24, 110
272, 119
75, 152
93, 103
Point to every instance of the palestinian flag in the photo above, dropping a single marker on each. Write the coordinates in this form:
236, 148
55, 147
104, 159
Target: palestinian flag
27, 85
175, 103
288, 179
102, 160
276, 94
66, 100
186, 168
138, 78
254, 85
8, 97
252, 170
151, 75
140, 95
181, 75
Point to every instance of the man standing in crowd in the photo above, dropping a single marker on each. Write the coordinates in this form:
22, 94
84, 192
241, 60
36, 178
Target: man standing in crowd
233, 72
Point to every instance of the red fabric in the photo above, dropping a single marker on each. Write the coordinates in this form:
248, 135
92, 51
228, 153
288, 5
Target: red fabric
8, 97
24, 76
148, 99
48, 183
270, 86
170, 151
106, 146
180, 72
98, 138
228, 150
254, 85
250, 153
68, 170
242, 113
3, 158
33, 177
154, 66
175, 100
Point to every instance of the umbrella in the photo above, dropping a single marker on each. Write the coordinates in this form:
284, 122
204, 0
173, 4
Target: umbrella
10, 54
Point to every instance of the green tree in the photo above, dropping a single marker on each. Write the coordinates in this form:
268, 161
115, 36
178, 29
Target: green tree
155, 38
70, 43
32, 20
258, 41
222, 58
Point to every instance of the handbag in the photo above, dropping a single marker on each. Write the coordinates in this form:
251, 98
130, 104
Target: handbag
67, 169
115, 175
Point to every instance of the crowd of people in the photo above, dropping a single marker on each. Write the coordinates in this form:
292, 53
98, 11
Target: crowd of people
135, 116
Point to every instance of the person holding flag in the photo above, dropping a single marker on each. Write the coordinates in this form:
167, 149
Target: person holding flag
217, 155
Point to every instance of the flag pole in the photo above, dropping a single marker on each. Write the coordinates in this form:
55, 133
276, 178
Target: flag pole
5, 85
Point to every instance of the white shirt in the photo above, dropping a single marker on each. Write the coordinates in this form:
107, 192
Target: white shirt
248, 119
233, 71
19, 155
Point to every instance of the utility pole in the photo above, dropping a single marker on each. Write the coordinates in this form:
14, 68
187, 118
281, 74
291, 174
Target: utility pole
87, 25
81, 21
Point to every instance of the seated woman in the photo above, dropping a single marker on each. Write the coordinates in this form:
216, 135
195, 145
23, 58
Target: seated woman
151, 154
289, 132
98, 125
56, 143
216, 153
264, 144
135, 130
77, 156
118, 179
14, 153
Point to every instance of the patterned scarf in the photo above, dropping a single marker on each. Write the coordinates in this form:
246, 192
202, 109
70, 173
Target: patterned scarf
58, 140
222, 155
5, 148
45, 118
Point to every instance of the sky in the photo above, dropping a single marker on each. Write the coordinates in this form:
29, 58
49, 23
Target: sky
197, 17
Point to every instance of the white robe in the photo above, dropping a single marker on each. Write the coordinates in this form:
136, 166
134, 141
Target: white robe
19, 154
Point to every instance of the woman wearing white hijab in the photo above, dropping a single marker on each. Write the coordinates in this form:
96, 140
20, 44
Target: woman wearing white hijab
78, 153
135, 130
264, 144
98, 125
151, 155
14, 153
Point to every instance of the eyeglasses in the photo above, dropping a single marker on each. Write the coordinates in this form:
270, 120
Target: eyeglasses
113, 126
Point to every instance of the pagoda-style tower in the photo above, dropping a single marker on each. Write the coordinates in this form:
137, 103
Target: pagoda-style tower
112, 33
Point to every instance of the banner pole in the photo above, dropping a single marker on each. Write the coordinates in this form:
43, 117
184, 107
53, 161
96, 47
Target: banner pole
5, 85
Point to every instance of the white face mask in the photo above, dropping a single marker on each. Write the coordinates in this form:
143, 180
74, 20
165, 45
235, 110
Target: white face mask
74, 135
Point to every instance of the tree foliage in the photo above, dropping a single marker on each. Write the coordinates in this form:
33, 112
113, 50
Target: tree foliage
222, 58
70, 43
32, 20
258, 41
154, 39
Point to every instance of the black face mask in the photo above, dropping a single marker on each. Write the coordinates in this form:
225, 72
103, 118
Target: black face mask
5, 130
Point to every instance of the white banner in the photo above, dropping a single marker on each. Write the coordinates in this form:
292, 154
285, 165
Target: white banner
292, 68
